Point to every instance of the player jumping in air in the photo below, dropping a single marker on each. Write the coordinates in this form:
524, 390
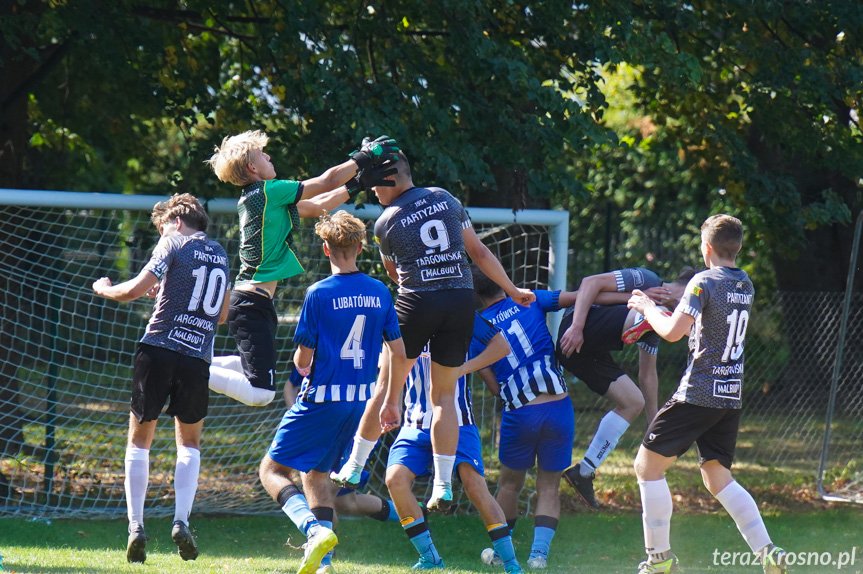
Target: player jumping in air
269, 210
172, 359
705, 409
344, 322
425, 236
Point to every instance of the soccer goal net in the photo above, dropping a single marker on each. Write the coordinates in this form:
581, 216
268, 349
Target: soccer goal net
66, 354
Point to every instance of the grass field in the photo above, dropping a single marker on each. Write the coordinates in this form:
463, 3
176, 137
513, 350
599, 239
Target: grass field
594, 542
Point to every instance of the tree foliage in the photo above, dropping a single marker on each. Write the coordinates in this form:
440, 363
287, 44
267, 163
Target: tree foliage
738, 106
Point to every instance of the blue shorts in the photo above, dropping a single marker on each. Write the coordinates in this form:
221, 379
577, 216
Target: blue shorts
540, 434
413, 449
313, 436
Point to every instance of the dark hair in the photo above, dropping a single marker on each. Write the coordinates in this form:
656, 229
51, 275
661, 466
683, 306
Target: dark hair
403, 164
685, 275
484, 287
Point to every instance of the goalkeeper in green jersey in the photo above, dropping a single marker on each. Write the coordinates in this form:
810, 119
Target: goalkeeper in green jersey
269, 210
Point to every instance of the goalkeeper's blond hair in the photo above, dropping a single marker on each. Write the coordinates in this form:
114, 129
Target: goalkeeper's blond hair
341, 230
232, 158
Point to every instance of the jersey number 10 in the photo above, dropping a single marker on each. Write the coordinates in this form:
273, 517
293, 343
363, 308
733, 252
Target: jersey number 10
216, 282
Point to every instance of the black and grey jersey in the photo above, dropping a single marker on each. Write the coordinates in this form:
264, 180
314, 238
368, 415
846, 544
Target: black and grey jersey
720, 300
421, 232
193, 271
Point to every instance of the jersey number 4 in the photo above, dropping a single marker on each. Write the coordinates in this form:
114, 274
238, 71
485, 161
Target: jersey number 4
352, 349
737, 323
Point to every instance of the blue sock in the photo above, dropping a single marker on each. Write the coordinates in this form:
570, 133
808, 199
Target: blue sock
420, 537
328, 557
393, 516
541, 541
501, 539
298, 511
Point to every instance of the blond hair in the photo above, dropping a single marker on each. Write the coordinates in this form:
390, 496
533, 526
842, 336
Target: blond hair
340, 230
231, 160
183, 205
724, 234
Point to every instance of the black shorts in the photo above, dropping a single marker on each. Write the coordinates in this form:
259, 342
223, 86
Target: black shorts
443, 319
162, 373
677, 425
594, 365
252, 321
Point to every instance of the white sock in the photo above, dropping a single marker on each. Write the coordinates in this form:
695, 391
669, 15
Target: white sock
610, 429
360, 453
232, 362
186, 481
742, 508
656, 508
443, 464
235, 385
135, 482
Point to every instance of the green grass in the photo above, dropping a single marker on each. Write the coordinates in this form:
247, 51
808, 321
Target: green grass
596, 542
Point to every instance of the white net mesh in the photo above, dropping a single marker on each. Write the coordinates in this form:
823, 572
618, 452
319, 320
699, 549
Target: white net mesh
66, 356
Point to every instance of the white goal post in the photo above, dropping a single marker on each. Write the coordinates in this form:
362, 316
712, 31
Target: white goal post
66, 355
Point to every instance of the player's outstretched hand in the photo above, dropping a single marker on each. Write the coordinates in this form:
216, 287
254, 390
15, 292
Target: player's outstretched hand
100, 285
523, 297
659, 295
571, 340
374, 152
640, 301
391, 416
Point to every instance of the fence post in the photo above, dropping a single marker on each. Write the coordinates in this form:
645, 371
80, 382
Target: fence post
837, 365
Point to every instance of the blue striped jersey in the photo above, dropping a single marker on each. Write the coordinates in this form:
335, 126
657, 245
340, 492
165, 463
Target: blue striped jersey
418, 410
531, 367
345, 319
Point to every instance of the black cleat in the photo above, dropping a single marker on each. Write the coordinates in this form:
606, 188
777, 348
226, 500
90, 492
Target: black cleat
583, 485
137, 544
182, 537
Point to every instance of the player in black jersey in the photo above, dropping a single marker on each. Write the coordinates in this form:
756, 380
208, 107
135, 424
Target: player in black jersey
269, 210
172, 359
590, 333
705, 409
425, 239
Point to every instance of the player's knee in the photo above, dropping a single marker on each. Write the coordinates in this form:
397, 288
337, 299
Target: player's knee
632, 407
398, 478
261, 397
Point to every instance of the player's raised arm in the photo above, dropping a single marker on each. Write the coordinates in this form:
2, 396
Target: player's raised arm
128, 290
371, 153
485, 260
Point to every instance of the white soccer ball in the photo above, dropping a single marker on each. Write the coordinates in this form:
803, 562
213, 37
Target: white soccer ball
487, 556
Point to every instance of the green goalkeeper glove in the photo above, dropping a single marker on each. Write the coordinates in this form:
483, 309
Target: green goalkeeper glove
374, 152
